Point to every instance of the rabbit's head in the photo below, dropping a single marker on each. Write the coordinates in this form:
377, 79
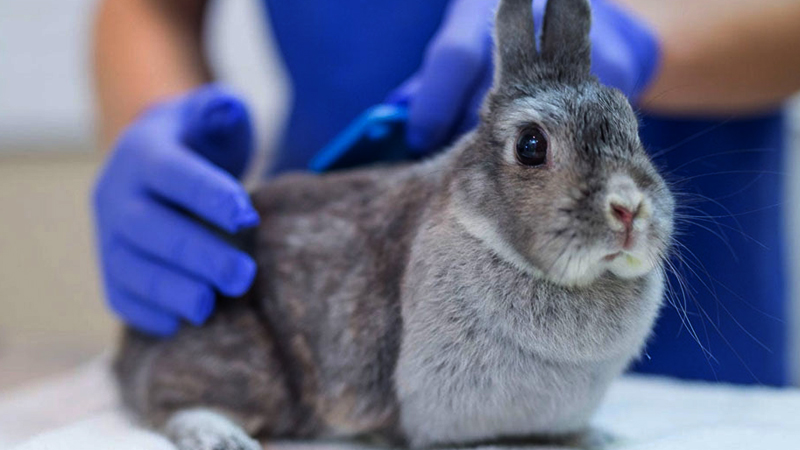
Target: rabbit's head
555, 178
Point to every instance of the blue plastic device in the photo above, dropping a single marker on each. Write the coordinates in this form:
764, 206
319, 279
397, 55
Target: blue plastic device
377, 135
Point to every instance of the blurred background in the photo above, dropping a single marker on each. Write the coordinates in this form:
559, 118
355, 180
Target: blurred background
52, 315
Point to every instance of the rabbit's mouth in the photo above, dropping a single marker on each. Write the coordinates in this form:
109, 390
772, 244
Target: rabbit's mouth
582, 268
627, 254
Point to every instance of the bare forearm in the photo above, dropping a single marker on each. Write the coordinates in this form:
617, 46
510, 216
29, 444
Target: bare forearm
722, 56
145, 50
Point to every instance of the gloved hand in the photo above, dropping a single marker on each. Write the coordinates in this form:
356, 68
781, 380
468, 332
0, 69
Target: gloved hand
159, 265
444, 96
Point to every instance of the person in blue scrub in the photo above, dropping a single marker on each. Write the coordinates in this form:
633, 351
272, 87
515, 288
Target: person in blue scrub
708, 76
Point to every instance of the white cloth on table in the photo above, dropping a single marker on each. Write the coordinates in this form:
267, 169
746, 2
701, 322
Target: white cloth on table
79, 410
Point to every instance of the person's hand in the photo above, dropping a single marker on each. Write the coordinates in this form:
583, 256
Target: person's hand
178, 160
443, 97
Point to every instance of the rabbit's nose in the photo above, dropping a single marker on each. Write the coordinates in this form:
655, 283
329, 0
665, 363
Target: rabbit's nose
624, 205
624, 214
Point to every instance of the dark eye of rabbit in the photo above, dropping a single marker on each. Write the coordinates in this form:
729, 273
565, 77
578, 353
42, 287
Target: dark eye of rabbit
532, 147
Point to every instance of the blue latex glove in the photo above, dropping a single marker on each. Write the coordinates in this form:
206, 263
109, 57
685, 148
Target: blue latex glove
444, 96
177, 161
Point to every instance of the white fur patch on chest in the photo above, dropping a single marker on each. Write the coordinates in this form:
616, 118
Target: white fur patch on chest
453, 389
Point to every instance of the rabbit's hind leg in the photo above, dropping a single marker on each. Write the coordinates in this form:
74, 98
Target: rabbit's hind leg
231, 365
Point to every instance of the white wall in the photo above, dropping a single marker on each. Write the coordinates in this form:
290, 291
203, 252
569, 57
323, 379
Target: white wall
46, 102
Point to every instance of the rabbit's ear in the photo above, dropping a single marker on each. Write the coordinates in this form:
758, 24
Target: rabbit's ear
565, 34
515, 39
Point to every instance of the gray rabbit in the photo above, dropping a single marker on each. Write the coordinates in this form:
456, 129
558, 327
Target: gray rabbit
490, 293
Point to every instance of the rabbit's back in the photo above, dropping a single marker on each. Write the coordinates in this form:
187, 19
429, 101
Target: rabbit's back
332, 252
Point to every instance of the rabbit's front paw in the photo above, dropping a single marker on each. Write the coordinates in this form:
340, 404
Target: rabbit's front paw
201, 429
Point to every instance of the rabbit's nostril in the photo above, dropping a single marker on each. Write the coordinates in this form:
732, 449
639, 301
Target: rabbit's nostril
623, 214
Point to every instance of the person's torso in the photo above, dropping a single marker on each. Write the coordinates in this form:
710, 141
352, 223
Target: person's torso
344, 57
728, 175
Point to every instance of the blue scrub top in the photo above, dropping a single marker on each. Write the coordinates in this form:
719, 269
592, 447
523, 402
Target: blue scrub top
728, 181
347, 55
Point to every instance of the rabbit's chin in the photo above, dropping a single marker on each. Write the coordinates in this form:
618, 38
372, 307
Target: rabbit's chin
579, 270
631, 265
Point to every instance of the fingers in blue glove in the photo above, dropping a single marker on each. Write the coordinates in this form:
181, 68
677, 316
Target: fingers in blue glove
184, 179
159, 286
454, 64
217, 126
188, 246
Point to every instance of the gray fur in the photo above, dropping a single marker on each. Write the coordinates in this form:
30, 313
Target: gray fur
515, 40
466, 299
565, 54
565, 35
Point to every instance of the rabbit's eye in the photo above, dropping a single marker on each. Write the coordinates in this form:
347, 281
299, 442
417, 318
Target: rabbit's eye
532, 147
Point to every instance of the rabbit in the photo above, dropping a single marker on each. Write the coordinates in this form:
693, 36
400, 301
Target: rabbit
489, 293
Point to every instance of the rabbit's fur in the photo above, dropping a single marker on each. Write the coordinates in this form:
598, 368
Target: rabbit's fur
464, 299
